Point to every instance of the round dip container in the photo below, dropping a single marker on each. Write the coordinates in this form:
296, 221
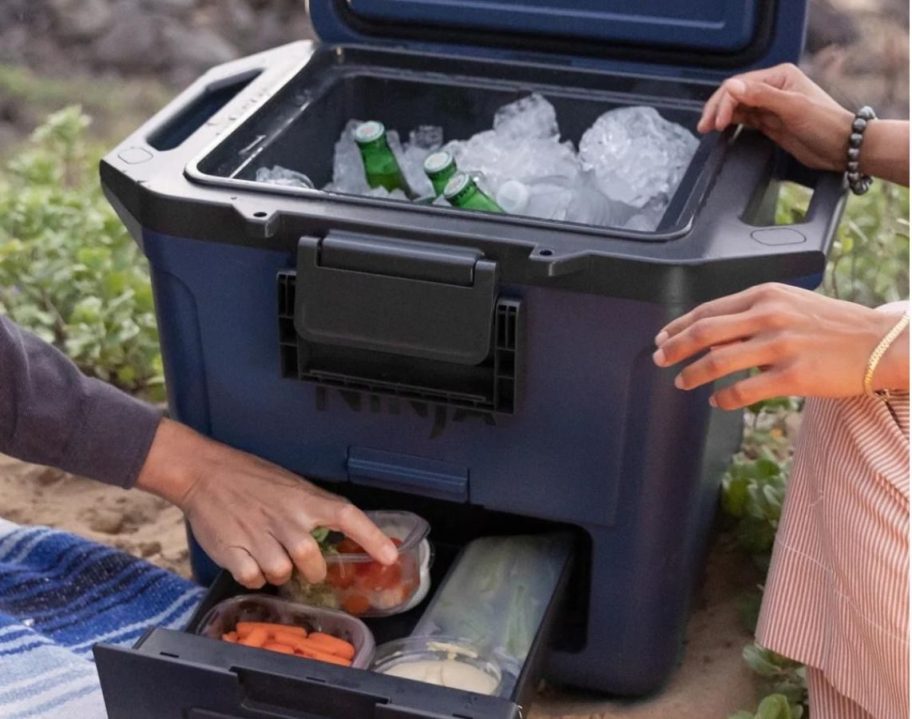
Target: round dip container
446, 662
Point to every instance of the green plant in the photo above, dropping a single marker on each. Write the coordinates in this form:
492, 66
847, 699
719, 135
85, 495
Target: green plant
68, 269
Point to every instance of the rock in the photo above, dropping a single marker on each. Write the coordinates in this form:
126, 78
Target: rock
46, 476
106, 521
169, 7
81, 19
195, 50
132, 42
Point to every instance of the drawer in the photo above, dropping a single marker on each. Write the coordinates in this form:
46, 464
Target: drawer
172, 673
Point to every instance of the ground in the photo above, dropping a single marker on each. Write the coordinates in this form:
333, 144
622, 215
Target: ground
711, 683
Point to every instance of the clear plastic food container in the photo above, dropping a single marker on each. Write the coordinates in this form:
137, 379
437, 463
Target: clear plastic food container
444, 661
223, 618
360, 586
496, 595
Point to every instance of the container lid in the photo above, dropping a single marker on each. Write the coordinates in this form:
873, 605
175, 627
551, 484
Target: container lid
719, 36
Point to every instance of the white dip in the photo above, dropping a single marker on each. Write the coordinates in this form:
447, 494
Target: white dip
445, 673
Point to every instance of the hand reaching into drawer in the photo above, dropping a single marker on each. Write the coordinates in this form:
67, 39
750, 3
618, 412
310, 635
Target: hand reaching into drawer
251, 516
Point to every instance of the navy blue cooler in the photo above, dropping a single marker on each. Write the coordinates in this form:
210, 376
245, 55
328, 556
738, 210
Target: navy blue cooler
492, 373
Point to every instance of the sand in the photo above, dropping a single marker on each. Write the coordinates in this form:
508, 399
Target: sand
712, 682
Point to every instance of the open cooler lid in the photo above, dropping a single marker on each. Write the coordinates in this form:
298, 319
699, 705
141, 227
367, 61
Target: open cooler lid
701, 37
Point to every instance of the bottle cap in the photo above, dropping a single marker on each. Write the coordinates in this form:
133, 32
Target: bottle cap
437, 161
513, 196
368, 132
457, 184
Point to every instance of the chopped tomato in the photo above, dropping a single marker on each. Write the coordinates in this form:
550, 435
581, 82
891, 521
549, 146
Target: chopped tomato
340, 574
378, 577
349, 546
356, 604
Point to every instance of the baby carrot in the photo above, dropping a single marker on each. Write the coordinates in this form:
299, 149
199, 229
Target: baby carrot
277, 647
244, 628
332, 644
317, 655
230, 637
256, 637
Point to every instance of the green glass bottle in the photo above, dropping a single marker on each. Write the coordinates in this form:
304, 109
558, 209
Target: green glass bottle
461, 191
380, 166
439, 167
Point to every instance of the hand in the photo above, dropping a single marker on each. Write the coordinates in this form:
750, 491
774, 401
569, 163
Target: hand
252, 517
804, 343
789, 108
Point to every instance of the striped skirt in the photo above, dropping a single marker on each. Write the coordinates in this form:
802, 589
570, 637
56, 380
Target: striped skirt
837, 593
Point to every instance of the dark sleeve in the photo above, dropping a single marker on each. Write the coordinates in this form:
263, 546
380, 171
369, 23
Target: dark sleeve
52, 414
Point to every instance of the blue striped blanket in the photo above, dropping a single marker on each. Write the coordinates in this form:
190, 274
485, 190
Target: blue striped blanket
59, 595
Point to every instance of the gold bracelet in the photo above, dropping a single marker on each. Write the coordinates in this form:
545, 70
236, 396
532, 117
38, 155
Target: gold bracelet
881, 350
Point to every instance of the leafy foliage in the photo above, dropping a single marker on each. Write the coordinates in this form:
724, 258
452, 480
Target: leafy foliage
868, 264
69, 272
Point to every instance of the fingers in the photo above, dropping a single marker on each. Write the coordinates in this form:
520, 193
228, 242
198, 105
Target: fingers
353, 523
774, 383
271, 557
704, 334
305, 553
782, 103
728, 305
720, 110
722, 361
242, 566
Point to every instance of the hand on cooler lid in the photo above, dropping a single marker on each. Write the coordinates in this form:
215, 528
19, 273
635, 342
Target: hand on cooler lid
252, 517
789, 108
804, 343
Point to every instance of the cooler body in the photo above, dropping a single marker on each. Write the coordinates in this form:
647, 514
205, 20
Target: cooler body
491, 373
600, 438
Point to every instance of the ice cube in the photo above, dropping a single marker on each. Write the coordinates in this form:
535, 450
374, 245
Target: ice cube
500, 158
524, 146
637, 155
348, 168
426, 137
278, 175
411, 162
527, 118
549, 199
386, 194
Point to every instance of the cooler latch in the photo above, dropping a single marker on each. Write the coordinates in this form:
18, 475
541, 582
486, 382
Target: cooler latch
415, 320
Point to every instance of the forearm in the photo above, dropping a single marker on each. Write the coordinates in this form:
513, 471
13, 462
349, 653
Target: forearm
885, 151
52, 414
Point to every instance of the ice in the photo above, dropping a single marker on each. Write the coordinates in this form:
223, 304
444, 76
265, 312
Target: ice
411, 156
348, 169
637, 155
426, 137
530, 117
524, 146
628, 166
386, 194
278, 175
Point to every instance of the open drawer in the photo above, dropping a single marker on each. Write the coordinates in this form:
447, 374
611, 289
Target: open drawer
171, 673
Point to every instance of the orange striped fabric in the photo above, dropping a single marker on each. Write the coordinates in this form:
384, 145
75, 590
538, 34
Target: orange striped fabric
837, 594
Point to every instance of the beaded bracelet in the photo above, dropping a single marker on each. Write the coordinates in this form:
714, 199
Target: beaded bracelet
858, 183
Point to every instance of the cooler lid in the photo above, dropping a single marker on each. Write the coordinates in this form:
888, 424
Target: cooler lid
718, 36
